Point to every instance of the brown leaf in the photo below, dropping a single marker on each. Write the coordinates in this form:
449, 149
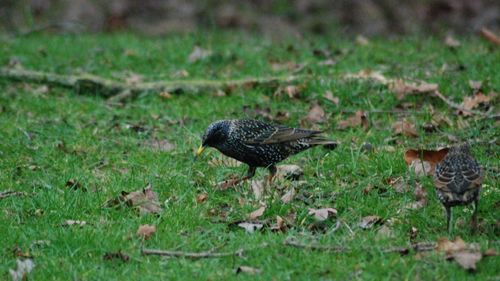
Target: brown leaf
358, 119
257, 213
329, 96
228, 183
74, 222
420, 198
145, 200
398, 184
133, 79
202, 197
403, 88
447, 246
451, 42
158, 145
475, 101
280, 225
248, 270
424, 162
316, 114
362, 40
467, 260
323, 213
490, 36
288, 196
145, 231
405, 128
369, 221
385, 232
475, 85
166, 95
258, 187
290, 172
466, 255
251, 227
421, 168
368, 74
198, 54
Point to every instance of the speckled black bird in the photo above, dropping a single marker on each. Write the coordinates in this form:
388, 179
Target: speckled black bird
259, 144
458, 181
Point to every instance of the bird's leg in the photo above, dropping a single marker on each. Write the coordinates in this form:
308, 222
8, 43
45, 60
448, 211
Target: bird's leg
272, 172
448, 219
474, 215
233, 182
250, 173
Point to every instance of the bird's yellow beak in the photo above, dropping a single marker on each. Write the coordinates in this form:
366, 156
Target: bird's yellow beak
199, 151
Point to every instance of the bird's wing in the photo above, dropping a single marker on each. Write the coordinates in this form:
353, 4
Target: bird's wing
443, 175
280, 134
472, 173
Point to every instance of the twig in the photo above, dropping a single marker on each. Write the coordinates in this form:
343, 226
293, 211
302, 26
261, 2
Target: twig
8, 193
417, 247
461, 108
196, 255
334, 249
108, 87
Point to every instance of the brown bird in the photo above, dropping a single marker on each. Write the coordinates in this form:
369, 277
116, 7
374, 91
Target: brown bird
259, 144
458, 181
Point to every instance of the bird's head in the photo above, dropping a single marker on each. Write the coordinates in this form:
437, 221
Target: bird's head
215, 135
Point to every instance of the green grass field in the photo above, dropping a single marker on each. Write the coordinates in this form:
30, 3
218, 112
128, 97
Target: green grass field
51, 136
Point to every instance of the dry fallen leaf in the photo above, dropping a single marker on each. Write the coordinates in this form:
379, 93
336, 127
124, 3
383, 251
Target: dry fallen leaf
362, 40
405, 128
466, 255
369, 221
403, 88
202, 197
421, 168
368, 74
329, 96
423, 162
257, 213
280, 225
323, 213
385, 232
398, 184
358, 119
74, 222
290, 172
475, 101
420, 198
288, 196
145, 231
258, 187
145, 200
451, 42
475, 85
198, 54
248, 270
316, 114
24, 267
250, 227
158, 145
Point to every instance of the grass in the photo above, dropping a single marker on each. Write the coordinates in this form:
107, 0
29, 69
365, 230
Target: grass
50, 137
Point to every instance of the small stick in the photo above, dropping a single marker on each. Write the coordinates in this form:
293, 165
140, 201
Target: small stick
418, 247
8, 193
197, 255
191, 255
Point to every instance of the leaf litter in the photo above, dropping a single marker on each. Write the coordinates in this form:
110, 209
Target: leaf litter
145, 200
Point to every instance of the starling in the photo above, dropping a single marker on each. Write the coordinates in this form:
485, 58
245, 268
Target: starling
458, 181
259, 144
